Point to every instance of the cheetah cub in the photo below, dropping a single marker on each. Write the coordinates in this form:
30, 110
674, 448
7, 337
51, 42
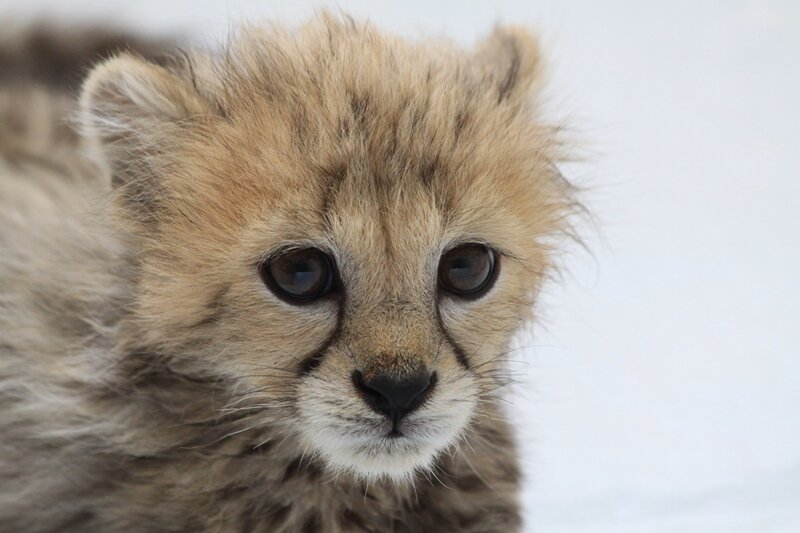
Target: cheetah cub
270, 288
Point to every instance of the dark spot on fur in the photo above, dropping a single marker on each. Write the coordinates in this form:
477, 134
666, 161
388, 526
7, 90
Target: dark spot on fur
302, 467
349, 519
338, 171
78, 521
510, 78
232, 492
510, 474
301, 126
261, 449
247, 520
64, 316
334, 175
428, 170
417, 116
468, 483
364, 489
423, 511
278, 516
311, 525
358, 108
312, 361
215, 308
313, 471
465, 520
461, 355
461, 121
7, 348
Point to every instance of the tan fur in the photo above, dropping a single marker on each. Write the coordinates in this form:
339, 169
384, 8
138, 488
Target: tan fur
148, 379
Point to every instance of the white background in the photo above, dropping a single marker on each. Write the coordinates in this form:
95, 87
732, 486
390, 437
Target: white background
662, 391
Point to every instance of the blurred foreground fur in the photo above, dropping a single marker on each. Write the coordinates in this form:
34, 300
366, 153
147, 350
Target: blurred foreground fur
148, 379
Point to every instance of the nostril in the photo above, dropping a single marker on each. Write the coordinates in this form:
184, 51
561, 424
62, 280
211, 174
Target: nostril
392, 397
371, 395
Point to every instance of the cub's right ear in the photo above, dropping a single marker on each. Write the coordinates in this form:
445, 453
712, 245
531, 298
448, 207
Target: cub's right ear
510, 57
131, 109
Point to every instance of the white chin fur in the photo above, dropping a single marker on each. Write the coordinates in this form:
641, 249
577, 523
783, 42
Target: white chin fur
359, 444
372, 455
376, 463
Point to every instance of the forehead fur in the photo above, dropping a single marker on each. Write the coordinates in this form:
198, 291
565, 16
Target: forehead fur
352, 116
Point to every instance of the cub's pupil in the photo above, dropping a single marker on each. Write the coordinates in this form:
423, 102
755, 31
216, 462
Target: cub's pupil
300, 276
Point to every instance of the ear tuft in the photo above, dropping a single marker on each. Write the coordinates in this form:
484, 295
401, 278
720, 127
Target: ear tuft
510, 56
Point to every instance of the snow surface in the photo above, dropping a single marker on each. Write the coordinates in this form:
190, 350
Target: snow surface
662, 391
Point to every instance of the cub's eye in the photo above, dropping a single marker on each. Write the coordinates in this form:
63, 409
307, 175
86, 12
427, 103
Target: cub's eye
467, 270
298, 275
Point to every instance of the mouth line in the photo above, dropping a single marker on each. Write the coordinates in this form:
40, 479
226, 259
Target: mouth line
395, 431
395, 434
399, 428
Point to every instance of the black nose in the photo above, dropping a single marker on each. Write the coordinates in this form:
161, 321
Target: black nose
394, 398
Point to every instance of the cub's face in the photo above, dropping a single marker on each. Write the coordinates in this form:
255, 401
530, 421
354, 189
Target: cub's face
391, 314
344, 228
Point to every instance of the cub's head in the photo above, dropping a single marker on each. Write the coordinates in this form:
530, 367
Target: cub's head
342, 228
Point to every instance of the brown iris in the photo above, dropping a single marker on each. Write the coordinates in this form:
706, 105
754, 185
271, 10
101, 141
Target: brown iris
467, 270
299, 275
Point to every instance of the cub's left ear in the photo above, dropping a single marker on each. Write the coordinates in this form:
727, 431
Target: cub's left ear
510, 57
130, 109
